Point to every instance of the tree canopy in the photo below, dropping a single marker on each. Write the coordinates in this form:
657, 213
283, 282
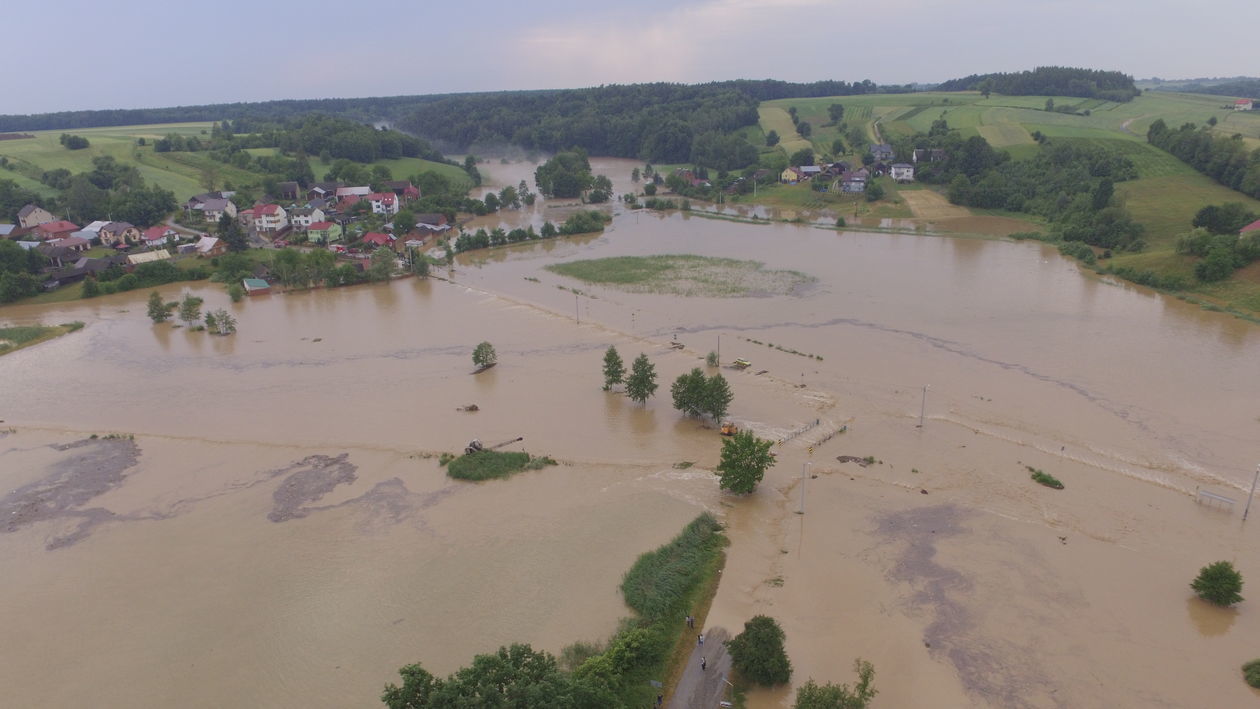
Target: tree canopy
757, 654
744, 461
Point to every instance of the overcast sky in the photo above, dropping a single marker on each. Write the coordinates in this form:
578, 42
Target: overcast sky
73, 54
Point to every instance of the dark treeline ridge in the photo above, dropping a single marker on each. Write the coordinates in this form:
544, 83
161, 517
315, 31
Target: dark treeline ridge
1226, 160
1051, 81
618, 120
1239, 88
656, 122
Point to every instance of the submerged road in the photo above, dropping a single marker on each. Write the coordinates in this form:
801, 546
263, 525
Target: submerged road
704, 689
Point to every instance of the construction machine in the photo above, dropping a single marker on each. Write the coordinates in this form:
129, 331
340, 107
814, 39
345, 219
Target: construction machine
476, 446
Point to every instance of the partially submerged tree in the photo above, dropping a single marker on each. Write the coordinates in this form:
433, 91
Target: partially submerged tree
745, 459
614, 368
1219, 583
641, 384
190, 309
484, 356
157, 308
839, 696
757, 654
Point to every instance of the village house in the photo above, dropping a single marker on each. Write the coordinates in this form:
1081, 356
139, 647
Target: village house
148, 257
357, 192
927, 155
301, 218
256, 286
57, 256
32, 216
95, 228
852, 182
791, 175
6, 230
210, 246
266, 218
115, 233
378, 239
323, 190
383, 202
1243, 104
902, 172
211, 206
1254, 226
811, 171
404, 189
324, 232
74, 243
159, 235
882, 151
287, 190
58, 229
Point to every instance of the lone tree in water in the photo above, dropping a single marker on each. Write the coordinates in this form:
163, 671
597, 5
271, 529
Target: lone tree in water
1219, 583
744, 461
642, 381
614, 368
757, 654
484, 356
157, 308
190, 309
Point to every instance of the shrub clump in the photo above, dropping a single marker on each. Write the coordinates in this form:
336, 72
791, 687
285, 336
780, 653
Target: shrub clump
758, 654
1251, 673
485, 465
1219, 583
1045, 478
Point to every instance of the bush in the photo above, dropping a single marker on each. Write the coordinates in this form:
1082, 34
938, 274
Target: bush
1219, 583
1251, 673
485, 465
1045, 478
757, 653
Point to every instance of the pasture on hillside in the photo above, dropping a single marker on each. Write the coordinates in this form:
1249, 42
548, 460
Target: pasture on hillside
184, 173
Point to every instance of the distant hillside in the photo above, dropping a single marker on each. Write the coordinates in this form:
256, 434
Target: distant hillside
1052, 81
1239, 88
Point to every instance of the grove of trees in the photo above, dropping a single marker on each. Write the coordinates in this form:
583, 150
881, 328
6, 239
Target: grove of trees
1225, 159
1051, 81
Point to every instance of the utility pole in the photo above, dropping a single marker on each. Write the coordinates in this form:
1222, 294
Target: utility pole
1252, 493
577, 315
719, 349
804, 468
923, 406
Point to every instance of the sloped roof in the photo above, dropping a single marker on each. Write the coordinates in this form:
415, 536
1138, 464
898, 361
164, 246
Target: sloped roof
375, 237
320, 226
148, 257
1254, 226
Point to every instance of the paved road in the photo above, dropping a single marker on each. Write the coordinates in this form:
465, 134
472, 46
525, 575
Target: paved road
703, 689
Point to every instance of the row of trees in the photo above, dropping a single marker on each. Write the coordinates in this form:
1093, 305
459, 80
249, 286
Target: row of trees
219, 322
1051, 81
1225, 159
641, 382
583, 222
758, 656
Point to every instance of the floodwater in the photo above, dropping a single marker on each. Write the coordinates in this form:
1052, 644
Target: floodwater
279, 532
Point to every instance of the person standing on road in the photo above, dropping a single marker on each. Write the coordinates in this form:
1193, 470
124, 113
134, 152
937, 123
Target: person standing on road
700, 639
703, 664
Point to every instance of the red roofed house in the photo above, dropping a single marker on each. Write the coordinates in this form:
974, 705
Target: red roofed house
158, 235
59, 229
1254, 226
377, 239
1243, 104
404, 189
383, 202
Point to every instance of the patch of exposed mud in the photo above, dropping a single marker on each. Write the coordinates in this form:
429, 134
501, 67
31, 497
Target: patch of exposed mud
1002, 672
306, 482
91, 468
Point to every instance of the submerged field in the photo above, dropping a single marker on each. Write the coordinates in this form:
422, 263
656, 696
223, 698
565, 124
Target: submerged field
686, 275
1164, 198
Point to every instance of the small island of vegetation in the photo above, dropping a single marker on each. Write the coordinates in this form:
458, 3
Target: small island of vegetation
685, 274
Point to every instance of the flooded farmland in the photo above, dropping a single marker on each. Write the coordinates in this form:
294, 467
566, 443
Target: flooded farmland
272, 528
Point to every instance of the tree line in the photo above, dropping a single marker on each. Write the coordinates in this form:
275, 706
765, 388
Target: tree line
1051, 81
1225, 159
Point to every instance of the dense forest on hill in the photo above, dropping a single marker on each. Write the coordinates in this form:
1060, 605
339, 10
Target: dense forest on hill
1051, 81
396, 108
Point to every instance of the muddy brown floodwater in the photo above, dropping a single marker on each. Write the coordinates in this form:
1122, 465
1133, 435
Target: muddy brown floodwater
279, 531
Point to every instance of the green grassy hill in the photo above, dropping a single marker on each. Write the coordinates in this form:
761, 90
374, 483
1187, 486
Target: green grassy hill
1164, 198
185, 174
